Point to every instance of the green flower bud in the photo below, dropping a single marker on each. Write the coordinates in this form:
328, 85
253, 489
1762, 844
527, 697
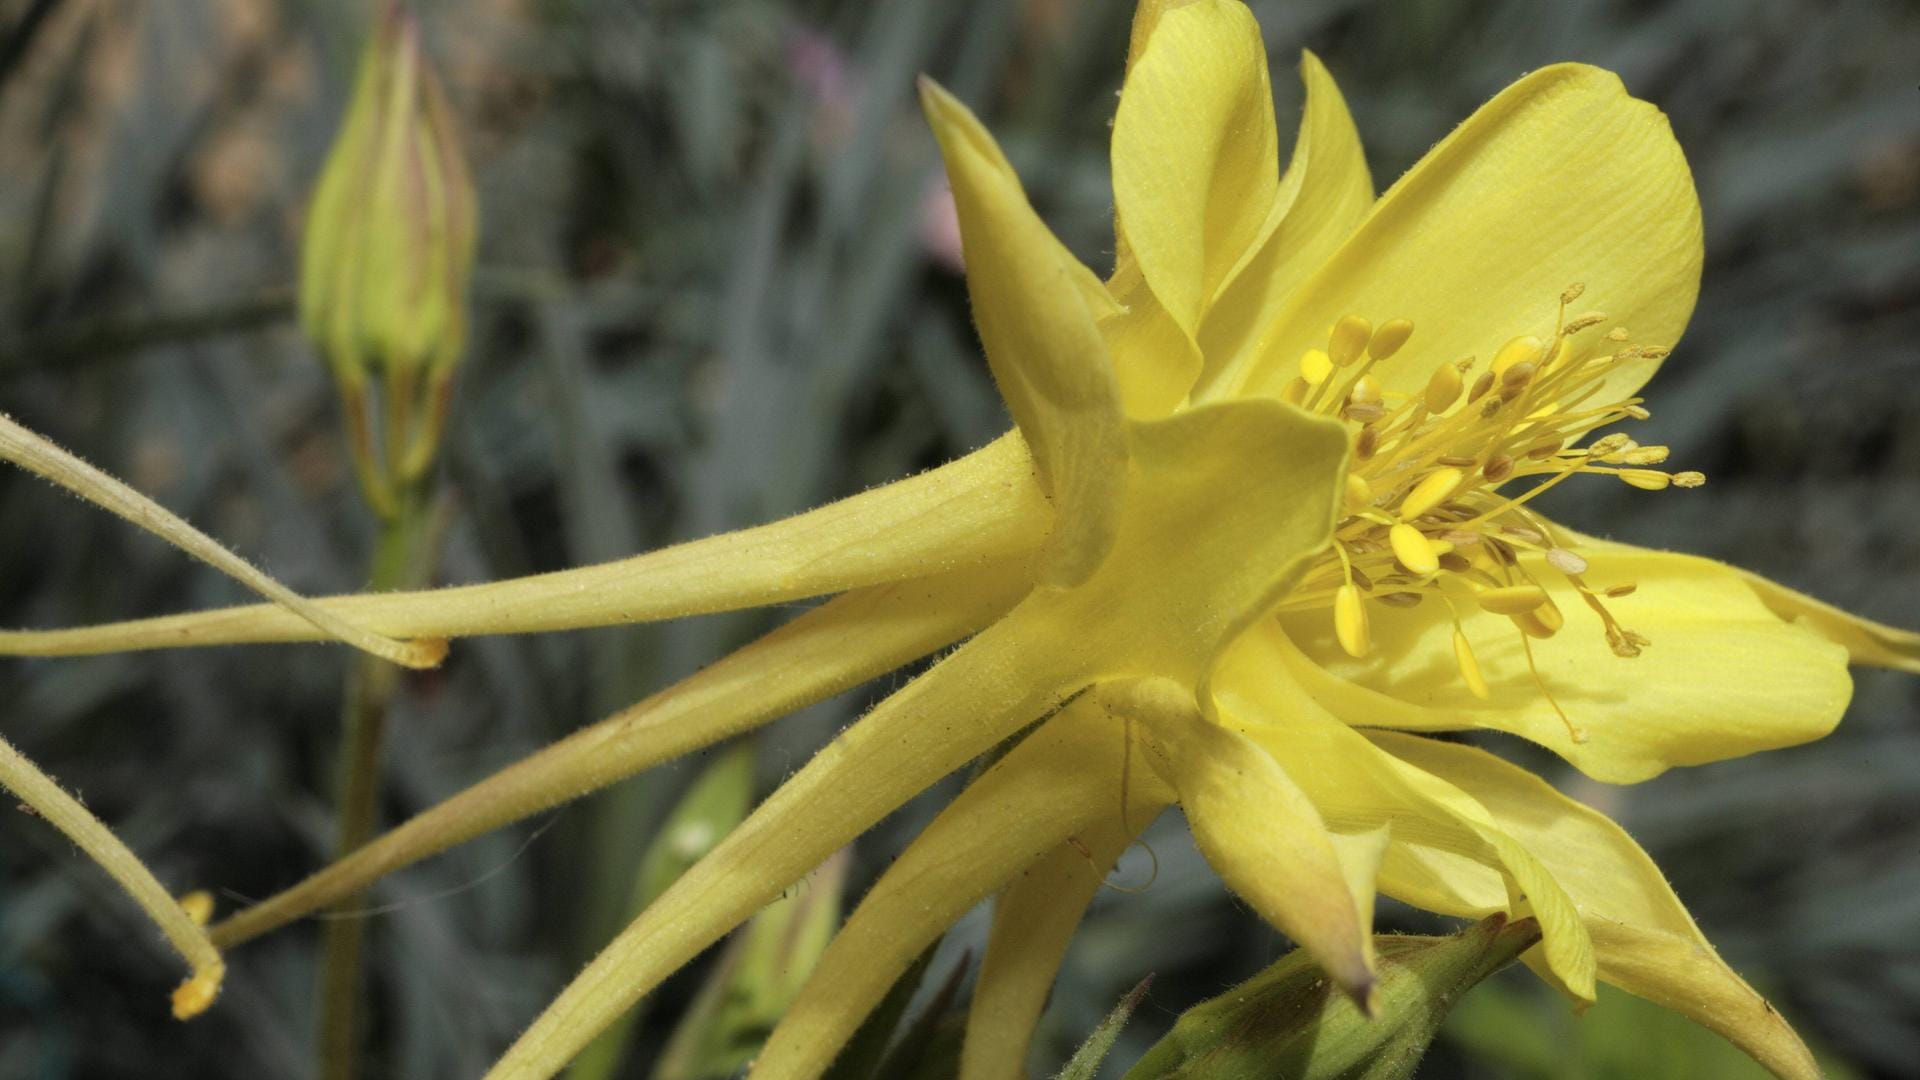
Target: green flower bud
1290, 1021
388, 249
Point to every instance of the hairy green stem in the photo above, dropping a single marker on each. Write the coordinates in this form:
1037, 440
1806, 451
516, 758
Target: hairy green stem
401, 560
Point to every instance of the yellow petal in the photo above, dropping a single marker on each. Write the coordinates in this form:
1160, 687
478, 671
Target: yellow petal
1042, 341
1154, 361
840, 644
1866, 641
1256, 827
1645, 942
1326, 191
981, 507
1146, 16
1358, 789
1561, 179
1059, 781
992, 686
1724, 675
1033, 920
1195, 162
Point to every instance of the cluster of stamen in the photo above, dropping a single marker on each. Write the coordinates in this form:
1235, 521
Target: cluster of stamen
1424, 517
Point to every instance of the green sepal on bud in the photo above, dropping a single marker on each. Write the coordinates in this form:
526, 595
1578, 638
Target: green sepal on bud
388, 253
1290, 1021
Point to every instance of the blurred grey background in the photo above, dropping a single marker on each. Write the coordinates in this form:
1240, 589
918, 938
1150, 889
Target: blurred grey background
716, 288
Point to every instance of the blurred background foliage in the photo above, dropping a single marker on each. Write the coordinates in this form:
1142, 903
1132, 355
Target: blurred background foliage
718, 285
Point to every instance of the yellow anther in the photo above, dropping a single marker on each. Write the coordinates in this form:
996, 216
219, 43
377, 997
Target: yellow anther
1542, 622
1638, 412
1525, 349
1645, 455
1645, 479
1619, 591
1689, 479
1532, 625
1512, 599
1497, 469
1618, 333
1443, 389
1469, 667
192, 997
1436, 488
1359, 493
1410, 546
1315, 366
1389, 337
1367, 442
1350, 621
1295, 392
198, 905
1608, 445
1591, 318
1366, 391
1349, 339
1573, 292
1480, 387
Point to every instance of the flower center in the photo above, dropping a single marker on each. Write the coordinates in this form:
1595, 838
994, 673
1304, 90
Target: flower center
1424, 515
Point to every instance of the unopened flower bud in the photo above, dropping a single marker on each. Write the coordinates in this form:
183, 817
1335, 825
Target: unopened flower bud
389, 245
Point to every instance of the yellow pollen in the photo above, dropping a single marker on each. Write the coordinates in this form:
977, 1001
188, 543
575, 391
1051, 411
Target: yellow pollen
1512, 599
1525, 349
1443, 389
1469, 667
1349, 339
1689, 479
192, 997
1413, 550
1350, 621
1645, 479
1430, 492
1573, 292
1645, 455
1590, 319
1315, 366
1389, 337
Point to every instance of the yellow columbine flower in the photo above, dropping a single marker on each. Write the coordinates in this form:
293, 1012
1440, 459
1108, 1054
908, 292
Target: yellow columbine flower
1265, 514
